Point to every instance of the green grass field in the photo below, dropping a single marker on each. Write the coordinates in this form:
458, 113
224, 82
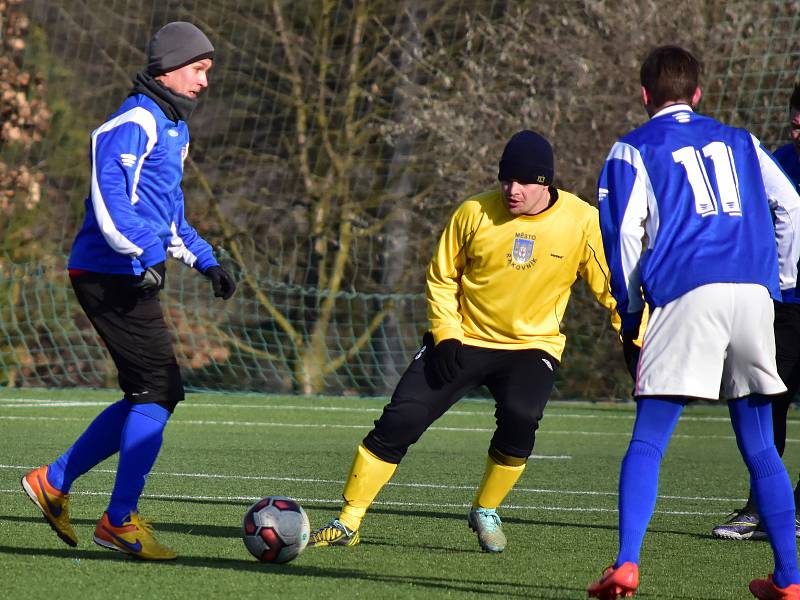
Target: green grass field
223, 452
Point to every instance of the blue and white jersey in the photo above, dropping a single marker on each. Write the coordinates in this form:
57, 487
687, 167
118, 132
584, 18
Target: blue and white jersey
134, 211
686, 201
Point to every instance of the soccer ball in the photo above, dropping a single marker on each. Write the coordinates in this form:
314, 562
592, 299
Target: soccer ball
275, 529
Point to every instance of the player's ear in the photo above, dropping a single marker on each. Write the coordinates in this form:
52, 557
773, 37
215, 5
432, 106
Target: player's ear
696, 96
645, 96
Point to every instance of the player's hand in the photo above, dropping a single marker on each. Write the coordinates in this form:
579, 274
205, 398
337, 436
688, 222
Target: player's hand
221, 281
631, 352
152, 278
447, 360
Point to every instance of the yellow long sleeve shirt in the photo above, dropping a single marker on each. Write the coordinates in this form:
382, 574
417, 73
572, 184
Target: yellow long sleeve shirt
500, 281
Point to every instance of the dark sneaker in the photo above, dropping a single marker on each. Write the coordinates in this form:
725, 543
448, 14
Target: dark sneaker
797, 525
742, 524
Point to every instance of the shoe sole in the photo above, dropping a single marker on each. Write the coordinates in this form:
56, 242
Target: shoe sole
731, 535
111, 546
35, 499
613, 593
484, 547
324, 543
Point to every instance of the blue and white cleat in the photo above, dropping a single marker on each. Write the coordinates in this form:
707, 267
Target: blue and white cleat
487, 524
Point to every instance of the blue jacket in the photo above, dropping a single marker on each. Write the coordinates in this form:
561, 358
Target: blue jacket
787, 158
134, 211
686, 201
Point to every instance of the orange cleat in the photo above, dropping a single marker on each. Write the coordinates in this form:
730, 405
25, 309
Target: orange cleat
765, 589
616, 583
134, 537
53, 504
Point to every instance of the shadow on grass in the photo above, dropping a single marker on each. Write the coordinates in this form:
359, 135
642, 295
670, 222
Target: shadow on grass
233, 530
486, 587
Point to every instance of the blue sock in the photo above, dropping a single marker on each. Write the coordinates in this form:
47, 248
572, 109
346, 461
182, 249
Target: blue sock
751, 417
141, 442
99, 441
638, 480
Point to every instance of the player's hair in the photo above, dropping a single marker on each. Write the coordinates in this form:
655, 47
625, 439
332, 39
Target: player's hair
794, 101
670, 73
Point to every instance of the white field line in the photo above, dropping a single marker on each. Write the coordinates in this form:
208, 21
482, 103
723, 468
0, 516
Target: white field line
338, 501
439, 486
553, 413
544, 431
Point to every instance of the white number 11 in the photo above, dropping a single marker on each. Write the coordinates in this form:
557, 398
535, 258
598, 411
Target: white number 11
706, 202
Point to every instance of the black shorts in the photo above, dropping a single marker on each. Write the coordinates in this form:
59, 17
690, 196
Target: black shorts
787, 345
520, 381
132, 326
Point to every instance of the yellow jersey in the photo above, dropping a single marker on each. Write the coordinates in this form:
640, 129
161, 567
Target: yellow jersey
500, 281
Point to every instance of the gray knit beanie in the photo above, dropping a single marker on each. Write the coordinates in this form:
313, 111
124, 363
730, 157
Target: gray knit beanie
176, 45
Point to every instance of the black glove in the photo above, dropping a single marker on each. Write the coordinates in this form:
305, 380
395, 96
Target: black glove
631, 352
152, 278
223, 284
447, 360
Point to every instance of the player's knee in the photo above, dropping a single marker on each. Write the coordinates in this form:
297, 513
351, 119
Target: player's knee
169, 405
388, 450
173, 391
646, 448
522, 415
512, 442
506, 459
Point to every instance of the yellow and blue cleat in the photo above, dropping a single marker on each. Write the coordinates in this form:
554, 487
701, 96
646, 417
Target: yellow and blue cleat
53, 504
134, 537
334, 533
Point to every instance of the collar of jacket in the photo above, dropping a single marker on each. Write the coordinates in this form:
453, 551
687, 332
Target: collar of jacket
177, 107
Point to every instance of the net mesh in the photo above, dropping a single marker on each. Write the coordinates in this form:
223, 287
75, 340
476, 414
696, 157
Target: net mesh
333, 142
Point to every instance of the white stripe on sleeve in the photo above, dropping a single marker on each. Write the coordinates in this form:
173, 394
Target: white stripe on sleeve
640, 217
785, 205
177, 249
112, 235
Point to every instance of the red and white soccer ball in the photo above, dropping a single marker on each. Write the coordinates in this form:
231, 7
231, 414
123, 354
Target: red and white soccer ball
275, 529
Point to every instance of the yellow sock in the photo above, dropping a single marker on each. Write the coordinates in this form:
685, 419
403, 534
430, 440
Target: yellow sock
498, 479
367, 477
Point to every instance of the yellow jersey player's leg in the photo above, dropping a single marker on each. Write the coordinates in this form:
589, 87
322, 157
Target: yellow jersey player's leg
368, 474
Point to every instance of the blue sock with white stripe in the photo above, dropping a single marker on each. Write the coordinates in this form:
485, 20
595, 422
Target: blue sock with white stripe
139, 448
638, 481
751, 417
99, 441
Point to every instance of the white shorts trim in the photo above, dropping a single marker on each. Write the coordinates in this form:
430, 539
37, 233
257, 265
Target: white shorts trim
716, 341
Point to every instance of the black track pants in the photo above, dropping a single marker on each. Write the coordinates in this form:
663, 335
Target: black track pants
519, 380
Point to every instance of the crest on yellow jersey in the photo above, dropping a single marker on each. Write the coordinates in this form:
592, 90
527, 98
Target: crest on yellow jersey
522, 252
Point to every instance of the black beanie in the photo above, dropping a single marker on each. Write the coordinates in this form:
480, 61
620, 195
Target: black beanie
527, 158
176, 45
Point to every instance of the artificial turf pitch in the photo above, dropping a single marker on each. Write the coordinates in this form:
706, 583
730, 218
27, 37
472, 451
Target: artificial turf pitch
222, 452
